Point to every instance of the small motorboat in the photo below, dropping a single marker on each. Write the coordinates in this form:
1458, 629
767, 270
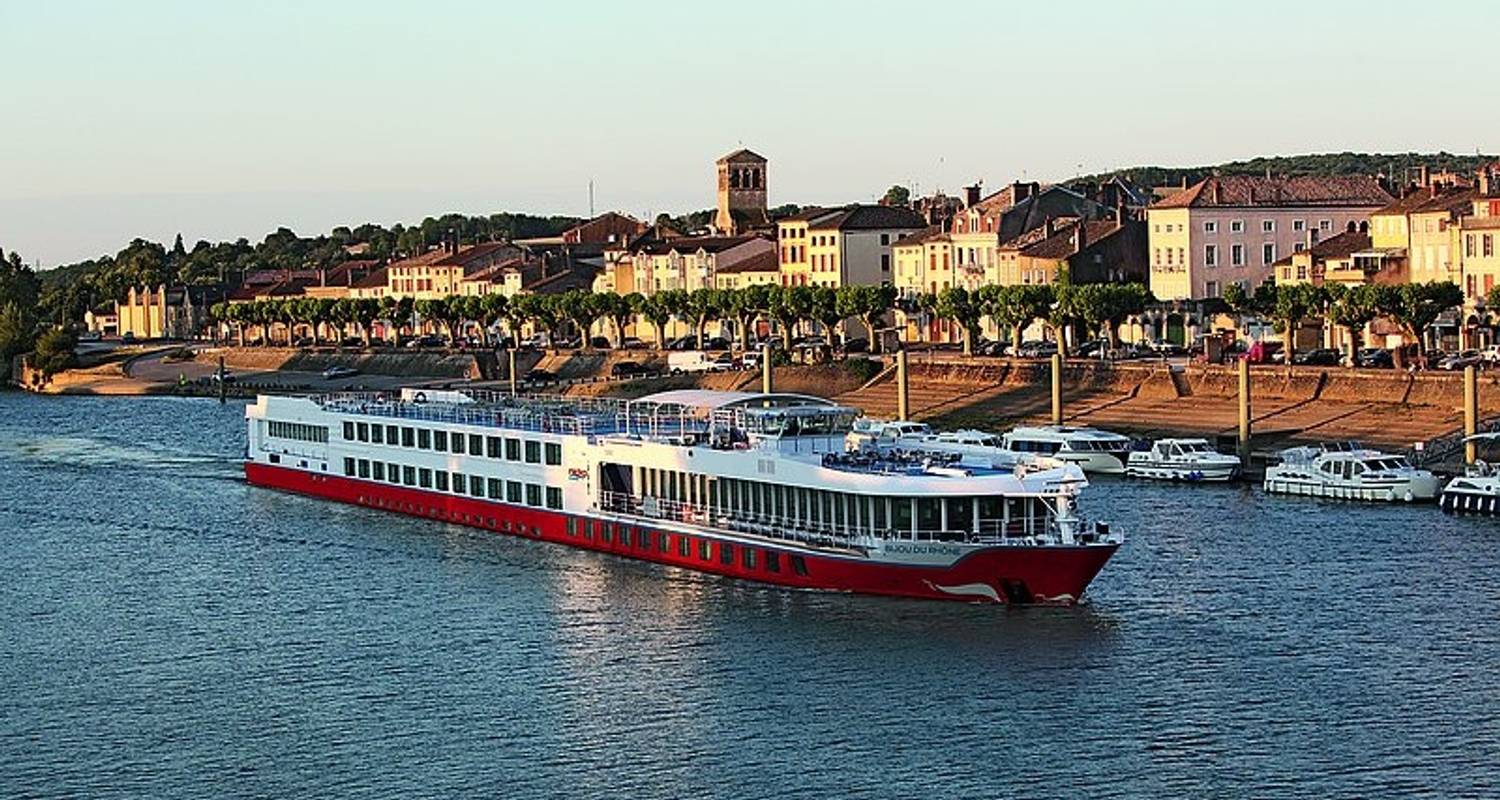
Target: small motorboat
1182, 460
1348, 471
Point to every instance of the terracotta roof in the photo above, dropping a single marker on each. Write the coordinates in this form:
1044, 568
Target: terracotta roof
581, 276
760, 262
1430, 199
692, 244
1481, 223
870, 217
808, 214
1039, 233
1341, 246
468, 256
1060, 244
375, 279
742, 155
495, 273
1330, 191
932, 233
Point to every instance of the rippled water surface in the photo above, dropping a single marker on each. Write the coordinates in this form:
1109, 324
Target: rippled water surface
167, 631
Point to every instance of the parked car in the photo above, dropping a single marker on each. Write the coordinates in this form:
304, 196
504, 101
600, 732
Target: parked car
1317, 357
352, 341
536, 341
694, 361
1091, 349
682, 343
750, 359
425, 341
128, 337
1460, 360
626, 369
716, 343
339, 372
1491, 355
540, 376
632, 343
1375, 358
303, 341
601, 343
226, 376
856, 344
1169, 350
1036, 349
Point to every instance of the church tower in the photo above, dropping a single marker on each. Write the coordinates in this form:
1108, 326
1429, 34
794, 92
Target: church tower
742, 193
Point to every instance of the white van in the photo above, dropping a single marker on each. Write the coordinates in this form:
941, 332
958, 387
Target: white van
698, 361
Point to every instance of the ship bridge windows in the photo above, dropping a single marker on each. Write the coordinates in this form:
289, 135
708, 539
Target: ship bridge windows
554, 454
348, 430
458, 444
492, 447
440, 441
512, 450
297, 431
476, 444
533, 452
377, 434
362, 431
408, 437
392, 435
424, 439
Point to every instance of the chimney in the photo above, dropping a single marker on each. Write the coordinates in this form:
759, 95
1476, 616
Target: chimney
1218, 193
1424, 178
322, 276
971, 195
1081, 237
1184, 182
1021, 191
1484, 181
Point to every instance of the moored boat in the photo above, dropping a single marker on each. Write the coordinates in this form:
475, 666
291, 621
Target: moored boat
1183, 460
1478, 489
1093, 450
750, 486
1348, 471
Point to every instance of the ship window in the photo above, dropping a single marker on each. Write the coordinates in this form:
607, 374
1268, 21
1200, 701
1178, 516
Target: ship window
554, 497
275, 459
458, 443
773, 561
929, 517
554, 453
513, 491
348, 431
409, 476
379, 467
458, 483
349, 467
494, 487
476, 444
838, 510
377, 434
390, 434
440, 441
533, 452
588, 529
364, 431
684, 546
607, 532
572, 527
424, 478
442, 480
492, 446
476, 486
747, 557
424, 439
726, 553
661, 543
642, 538
799, 566
880, 505
960, 513
533, 494
704, 550
408, 437
512, 450
364, 468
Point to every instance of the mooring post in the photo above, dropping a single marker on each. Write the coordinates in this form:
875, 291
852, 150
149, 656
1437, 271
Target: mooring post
765, 368
1244, 368
903, 387
1471, 411
221, 380
1057, 404
511, 370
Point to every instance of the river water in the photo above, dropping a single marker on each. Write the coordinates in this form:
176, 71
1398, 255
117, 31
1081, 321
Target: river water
170, 632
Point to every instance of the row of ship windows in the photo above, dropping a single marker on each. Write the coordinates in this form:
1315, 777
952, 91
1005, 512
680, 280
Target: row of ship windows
643, 539
438, 441
297, 431
515, 492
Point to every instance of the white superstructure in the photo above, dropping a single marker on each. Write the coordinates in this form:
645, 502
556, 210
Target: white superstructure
1347, 471
1182, 460
1091, 449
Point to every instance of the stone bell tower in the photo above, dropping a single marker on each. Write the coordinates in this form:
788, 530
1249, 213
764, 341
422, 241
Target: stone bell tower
742, 193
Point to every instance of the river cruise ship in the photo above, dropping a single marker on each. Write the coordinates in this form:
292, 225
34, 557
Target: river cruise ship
750, 486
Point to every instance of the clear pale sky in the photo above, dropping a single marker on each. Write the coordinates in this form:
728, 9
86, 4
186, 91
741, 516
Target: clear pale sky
221, 120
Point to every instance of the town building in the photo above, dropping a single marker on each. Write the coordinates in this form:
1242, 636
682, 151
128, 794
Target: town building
1233, 229
843, 246
439, 273
1091, 251
1007, 215
179, 312
691, 263
761, 269
741, 194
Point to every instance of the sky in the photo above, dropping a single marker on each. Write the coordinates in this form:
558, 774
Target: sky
220, 120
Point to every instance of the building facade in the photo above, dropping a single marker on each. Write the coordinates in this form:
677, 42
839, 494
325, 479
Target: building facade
741, 204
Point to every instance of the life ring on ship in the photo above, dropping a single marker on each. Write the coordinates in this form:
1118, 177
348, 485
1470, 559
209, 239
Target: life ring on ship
380, 397
419, 397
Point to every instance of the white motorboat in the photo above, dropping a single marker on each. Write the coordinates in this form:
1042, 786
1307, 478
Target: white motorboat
1093, 450
1478, 489
1182, 460
1348, 471
973, 447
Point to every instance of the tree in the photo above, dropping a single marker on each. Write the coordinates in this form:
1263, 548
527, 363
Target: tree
1352, 308
789, 305
618, 309
54, 352
704, 305
1070, 305
654, 309
1293, 304
897, 196
1415, 306
491, 311
1015, 307
17, 332
869, 304
962, 306
366, 311
826, 311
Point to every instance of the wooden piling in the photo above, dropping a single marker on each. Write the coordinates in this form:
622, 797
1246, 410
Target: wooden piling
765, 368
1057, 399
1244, 375
1471, 411
903, 387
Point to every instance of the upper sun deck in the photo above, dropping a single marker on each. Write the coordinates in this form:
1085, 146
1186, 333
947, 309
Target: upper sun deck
684, 417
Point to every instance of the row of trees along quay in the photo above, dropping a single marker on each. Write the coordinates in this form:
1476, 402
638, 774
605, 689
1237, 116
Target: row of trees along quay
1413, 307
1096, 307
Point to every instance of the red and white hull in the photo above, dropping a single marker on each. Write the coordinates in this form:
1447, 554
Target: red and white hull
1001, 574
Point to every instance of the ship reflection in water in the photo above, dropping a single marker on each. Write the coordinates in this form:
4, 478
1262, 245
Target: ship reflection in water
170, 633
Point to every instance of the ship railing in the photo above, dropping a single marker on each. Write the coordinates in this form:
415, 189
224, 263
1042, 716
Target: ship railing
1034, 530
537, 417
